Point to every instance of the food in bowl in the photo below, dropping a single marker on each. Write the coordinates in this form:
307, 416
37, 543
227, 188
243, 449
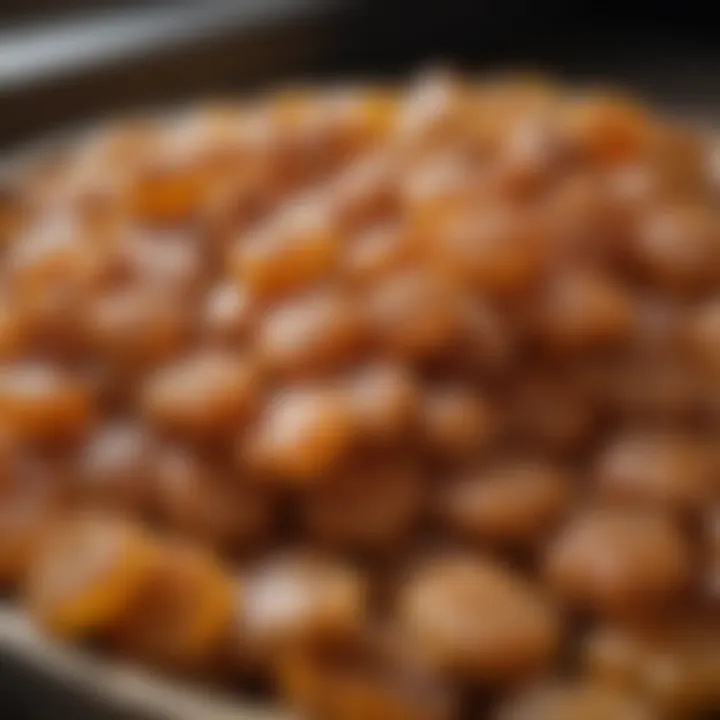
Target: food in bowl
401, 400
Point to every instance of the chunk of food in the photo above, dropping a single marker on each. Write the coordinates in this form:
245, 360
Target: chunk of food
301, 436
291, 600
516, 504
178, 615
478, 621
43, 403
386, 400
201, 501
33, 498
202, 395
311, 335
456, 421
620, 561
292, 253
86, 575
659, 468
117, 468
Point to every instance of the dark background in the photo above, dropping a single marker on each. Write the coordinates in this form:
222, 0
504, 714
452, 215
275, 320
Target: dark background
667, 50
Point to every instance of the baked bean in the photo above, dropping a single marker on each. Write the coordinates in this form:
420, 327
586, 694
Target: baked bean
203, 394
431, 112
434, 186
138, 327
177, 616
54, 252
515, 503
475, 619
455, 421
171, 262
376, 253
115, 144
53, 321
41, 402
495, 249
228, 313
311, 335
585, 311
680, 158
309, 131
198, 500
607, 130
679, 248
167, 193
414, 313
582, 221
298, 250
619, 561
531, 155
662, 468
294, 599
367, 192
300, 436
32, 498
87, 573
636, 185
117, 468
370, 112
384, 400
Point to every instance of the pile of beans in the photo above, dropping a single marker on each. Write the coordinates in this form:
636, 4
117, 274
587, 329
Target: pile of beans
401, 403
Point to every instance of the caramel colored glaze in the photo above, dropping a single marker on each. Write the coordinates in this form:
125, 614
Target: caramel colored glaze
403, 402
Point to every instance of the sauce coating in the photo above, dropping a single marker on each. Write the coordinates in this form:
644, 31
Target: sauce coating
402, 401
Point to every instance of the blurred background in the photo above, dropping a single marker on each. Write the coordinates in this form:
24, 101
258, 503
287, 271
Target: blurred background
65, 63
69, 61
